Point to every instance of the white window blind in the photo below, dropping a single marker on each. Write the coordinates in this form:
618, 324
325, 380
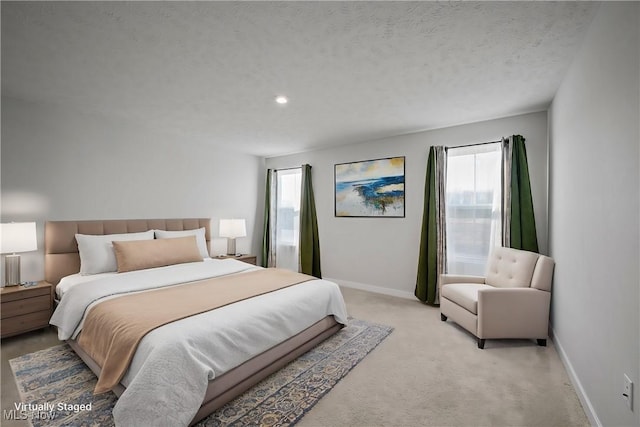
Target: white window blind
287, 220
473, 206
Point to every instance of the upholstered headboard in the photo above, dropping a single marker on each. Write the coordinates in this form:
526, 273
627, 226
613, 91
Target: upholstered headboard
61, 257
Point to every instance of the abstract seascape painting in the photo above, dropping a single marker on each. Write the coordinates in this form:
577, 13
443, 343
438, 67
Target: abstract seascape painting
372, 188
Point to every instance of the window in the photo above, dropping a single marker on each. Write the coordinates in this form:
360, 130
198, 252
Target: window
473, 206
287, 221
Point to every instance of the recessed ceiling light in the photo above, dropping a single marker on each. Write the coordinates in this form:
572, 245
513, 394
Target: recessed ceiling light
281, 99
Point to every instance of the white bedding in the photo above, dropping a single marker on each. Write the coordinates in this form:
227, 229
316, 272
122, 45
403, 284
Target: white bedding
70, 281
168, 375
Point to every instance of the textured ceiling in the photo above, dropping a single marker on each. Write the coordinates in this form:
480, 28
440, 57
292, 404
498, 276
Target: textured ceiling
354, 71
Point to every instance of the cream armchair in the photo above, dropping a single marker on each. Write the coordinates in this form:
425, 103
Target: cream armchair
511, 301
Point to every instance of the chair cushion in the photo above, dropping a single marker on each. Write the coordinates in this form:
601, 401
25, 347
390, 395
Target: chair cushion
464, 294
510, 268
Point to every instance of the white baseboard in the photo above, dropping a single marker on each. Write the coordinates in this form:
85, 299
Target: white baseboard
372, 288
577, 385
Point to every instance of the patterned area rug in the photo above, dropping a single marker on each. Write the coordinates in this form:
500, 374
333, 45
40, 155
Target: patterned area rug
54, 376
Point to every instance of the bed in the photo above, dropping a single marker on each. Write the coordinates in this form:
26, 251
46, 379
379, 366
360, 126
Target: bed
143, 394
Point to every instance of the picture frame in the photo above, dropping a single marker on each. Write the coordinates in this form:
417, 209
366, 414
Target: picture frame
370, 188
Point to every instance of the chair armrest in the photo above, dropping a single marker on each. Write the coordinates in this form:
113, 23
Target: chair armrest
513, 313
458, 278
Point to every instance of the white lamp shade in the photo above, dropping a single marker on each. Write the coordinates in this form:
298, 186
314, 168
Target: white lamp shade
232, 228
18, 237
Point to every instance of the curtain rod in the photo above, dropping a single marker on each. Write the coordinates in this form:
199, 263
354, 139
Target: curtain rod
473, 145
287, 169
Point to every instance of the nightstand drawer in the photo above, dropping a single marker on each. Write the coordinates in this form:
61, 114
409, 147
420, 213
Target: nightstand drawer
18, 324
25, 306
18, 293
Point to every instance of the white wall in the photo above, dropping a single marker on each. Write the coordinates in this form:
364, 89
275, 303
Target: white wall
60, 164
594, 215
382, 253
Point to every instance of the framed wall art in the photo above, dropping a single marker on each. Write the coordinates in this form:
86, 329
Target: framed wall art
370, 188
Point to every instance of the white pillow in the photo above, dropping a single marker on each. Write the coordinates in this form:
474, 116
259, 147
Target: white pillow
96, 252
199, 233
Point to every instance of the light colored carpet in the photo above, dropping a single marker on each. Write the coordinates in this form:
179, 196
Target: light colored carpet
431, 373
426, 373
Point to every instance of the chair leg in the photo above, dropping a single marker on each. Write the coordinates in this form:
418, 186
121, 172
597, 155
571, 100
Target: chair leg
443, 317
481, 343
542, 343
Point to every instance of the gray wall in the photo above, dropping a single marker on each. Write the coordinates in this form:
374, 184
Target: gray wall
60, 164
594, 214
381, 254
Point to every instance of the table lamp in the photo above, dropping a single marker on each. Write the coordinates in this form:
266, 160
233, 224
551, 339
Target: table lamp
16, 237
231, 229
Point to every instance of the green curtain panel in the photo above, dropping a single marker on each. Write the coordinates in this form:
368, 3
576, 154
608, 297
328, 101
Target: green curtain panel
427, 280
266, 235
309, 238
523, 222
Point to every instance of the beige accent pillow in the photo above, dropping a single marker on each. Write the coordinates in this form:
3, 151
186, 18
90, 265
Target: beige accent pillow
142, 254
199, 233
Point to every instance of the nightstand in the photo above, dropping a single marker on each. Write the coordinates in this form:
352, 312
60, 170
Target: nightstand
249, 259
25, 309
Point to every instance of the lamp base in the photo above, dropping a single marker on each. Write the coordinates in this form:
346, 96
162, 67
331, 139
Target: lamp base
12, 269
231, 246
